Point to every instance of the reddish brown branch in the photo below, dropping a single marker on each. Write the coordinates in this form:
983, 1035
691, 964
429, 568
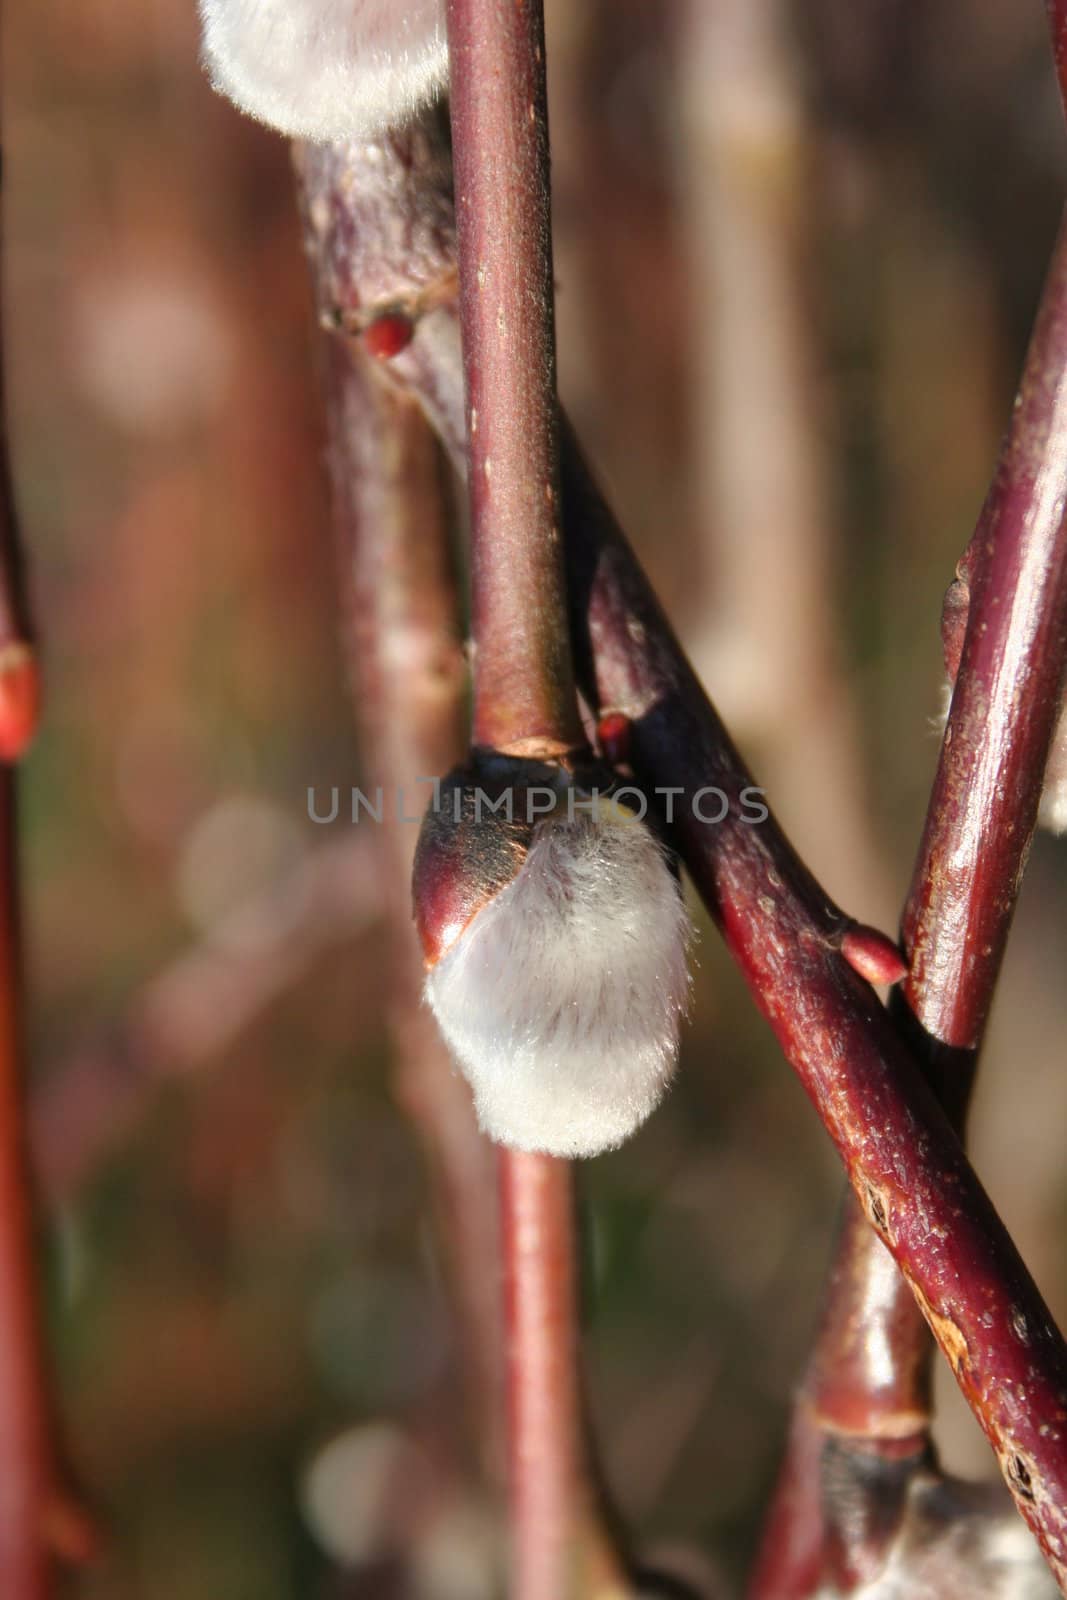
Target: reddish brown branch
523, 684
404, 656
536, 1197
903, 1159
524, 704
1006, 638
1004, 709
408, 681
560, 1548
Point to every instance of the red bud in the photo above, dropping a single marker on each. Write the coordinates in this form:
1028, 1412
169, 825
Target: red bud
873, 955
386, 336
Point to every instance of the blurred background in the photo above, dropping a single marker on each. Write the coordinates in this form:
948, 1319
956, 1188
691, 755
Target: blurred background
798, 250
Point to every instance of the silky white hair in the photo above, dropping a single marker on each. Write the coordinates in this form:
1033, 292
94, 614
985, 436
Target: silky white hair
959, 1541
562, 999
326, 70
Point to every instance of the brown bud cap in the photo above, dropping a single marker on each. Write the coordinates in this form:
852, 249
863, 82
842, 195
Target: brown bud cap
474, 838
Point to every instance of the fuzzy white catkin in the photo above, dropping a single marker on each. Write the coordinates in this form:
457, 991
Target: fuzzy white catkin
562, 999
326, 70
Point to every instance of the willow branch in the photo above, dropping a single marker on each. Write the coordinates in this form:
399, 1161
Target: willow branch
524, 704
1005, 630
523, 683
409, 678
1003, 715
903, 1159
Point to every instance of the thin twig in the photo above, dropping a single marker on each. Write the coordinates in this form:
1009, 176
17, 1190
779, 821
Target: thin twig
523, 683
375, 248
1006, 638
563, 1546
409, 680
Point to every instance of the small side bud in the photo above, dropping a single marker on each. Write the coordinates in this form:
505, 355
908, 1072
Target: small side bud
873, 955
613, 737
555, 938
326, 70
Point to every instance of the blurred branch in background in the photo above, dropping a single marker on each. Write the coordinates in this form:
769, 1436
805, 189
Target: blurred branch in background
769, 637
405, 663
192, 1012
38, 1519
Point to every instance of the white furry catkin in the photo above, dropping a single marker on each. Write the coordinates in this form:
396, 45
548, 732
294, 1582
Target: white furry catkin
326, 70
562, 998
